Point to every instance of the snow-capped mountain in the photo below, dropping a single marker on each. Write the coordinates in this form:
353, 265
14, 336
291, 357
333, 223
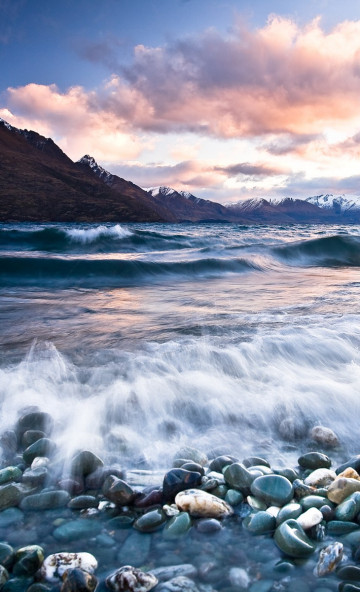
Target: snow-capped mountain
97, 169
339, 203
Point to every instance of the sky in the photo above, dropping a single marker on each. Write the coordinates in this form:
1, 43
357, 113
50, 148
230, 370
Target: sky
227, 99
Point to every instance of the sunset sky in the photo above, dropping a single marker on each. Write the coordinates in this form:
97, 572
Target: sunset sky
228, 99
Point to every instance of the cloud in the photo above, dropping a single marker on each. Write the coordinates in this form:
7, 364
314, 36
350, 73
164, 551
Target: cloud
248, 169
289, 143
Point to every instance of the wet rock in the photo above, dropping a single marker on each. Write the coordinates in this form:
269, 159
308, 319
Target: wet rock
237, 476
255, 503
7, 556
313, 501
193, 454
320, 478
135, 549
84, 463
340, 527
31, 436
11, 495
292, 429
40, 461
349, 508
36, 420
349, 473
292, 540
18, 584
353, 463
42, 447
72, 486
10, 517
274, 490
10, 474
342, 488
28, 560
193, 467
324, 436
96, 479
260, 523
310, 518
252, 461
327, 512
314, 460
118, 491
290, 474
218, 463
208, 526
329, 559
202, 504
177, 480
76, 529
239, 578
151, 498
349, 572
46, 500
35, 477
8, 443
301, 490
130, 579
233, 497
177, 526
77, 580
179, 584
4, 576
163, 574
288, 511
57, 564
82, 502
151, 521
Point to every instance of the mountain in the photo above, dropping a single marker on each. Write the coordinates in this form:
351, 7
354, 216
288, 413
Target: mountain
282, 211
347, 206
38, 182
188, 208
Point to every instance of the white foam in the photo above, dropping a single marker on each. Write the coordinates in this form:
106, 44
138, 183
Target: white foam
90, 235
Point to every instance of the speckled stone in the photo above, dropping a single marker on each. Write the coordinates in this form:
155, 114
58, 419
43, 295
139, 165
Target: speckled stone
202, 504
342, 488
329, 559
56, 565
320, 478
77, 580
130, 579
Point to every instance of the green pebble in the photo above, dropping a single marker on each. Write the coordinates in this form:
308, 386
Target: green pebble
177, 526
233, 497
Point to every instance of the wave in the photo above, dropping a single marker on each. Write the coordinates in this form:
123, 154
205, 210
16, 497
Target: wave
329, 251
112, 272
252, 396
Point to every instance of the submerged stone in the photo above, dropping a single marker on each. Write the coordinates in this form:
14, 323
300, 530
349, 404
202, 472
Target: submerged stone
163, 574
77, 580
292, 540
42, 447
46, 500
10, 474
118, 491
324, 436
130, 579
274, 490
150, 521
177, 526
202, 504
135, 549
314, 460
76, 529
28, 560
11, 495
177, 480
260, 523
7, 556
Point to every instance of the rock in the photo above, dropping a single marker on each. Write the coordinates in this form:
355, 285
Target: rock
177, 480
10, 474
163, 574
11, 495
255, 503
274, 490
82, 502
349, 572
327, 512
179, 584
35, 477
314, 460
177, 526
273, 511
253, 461
301, 490
320, 478
71, 486
260, 523
233, 497
8, 443
10, 517
348, 509
292, 540
193, 454
42, 447
118, 491
324, 436
36, 420
329, 559
342, 488
208, 526
289, 511
122, 522
20, 584
152, 498
349, 473
28, 560
57, 564
292, 429
136, 549
4, 576
239, 578
46, 500
313, 501
171, 510
7, 555
310, 518
218, 463
193, 467
340, 527
96, 479
76, 529
31, 436
130, 579
40, 461
84, 463
353, 463
77, 580
290, 474
202, 504
237, 476
151, 521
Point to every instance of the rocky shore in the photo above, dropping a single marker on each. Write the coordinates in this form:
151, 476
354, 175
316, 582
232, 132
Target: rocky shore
217, 524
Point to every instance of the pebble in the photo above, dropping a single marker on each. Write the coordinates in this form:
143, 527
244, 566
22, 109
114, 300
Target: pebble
179, 584
314, 460
28, 560
192, 454
57, 564
177, 480
292, 540
42, 447
342, 488
238, 476
320, 478
208, 526
274, 490
324, 436
131, 579
239, 577
177, 526
76, 529
118, 491
310, 518
173, 571
202, 504
77, 580
329, 559
47, 500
